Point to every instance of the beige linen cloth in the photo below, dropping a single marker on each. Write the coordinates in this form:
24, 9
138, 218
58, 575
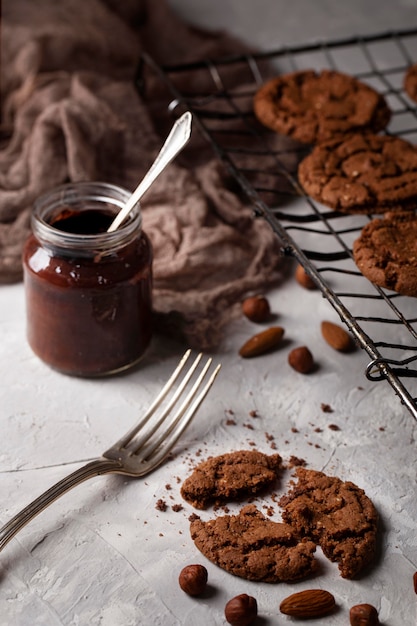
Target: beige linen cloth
70, 112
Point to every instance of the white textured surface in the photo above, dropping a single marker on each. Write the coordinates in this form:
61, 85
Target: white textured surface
272, 23
103, 554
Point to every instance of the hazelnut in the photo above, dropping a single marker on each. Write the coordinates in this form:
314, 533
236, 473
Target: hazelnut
256, 309
301, 360
304, 279
363, 615
241, 610
193, 579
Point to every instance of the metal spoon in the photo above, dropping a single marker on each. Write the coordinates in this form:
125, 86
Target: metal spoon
174, 143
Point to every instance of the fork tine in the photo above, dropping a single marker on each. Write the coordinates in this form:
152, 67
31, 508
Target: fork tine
167, 410
123, 441
146, 435
181, 420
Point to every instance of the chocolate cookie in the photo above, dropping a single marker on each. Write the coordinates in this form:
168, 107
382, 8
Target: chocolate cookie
337, 515
313, 107
410, 82
385, 252
362, 173
253, 547
230, 476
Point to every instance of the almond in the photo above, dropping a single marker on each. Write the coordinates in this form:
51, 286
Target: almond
301, 360
304, 279
363, 615
337, 337
262, 342
256, 309
308, 603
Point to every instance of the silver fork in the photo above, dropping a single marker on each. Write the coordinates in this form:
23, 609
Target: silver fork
142, 448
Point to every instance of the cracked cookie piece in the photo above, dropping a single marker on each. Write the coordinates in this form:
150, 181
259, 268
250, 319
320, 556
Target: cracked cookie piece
315, 106
231, 476
362, 173
336, 515
253, 547
386, 252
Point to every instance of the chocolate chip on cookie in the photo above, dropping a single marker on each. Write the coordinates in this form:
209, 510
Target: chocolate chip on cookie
316, 106
335, 514
362, 173
230, 476
253, 547
386, 253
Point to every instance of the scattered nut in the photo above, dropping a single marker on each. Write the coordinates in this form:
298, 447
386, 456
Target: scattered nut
337, 337
262, 342
241, 610
256, 309
308, 603
304, 279
363, 615
193, 579
301, 360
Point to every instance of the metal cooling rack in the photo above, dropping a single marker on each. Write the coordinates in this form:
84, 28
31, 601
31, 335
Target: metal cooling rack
219, 94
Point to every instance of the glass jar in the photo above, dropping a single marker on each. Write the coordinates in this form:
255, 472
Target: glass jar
88, 292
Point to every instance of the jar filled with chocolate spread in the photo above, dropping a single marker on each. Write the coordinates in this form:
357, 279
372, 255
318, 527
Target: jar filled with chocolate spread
88, 292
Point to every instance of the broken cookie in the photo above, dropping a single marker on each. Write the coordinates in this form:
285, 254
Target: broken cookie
253, 547
336, 515
231, 476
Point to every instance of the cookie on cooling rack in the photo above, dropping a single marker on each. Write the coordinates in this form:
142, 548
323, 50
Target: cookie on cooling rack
386, 252
336, 515
362, 173
253, 547
410, 82
315, 106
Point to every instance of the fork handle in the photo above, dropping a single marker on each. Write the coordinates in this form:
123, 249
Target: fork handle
94, 468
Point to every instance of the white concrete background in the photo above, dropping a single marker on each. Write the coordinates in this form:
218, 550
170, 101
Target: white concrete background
271, 23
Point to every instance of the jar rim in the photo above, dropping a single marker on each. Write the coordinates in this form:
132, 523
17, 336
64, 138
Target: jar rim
75, 195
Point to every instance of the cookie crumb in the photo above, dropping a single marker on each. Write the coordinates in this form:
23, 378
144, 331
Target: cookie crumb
295, 461
326, 408
161, 505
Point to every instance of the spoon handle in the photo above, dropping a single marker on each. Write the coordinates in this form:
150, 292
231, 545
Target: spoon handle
176, 140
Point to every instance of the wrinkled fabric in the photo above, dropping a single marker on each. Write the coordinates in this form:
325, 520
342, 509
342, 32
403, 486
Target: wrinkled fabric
70, 112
